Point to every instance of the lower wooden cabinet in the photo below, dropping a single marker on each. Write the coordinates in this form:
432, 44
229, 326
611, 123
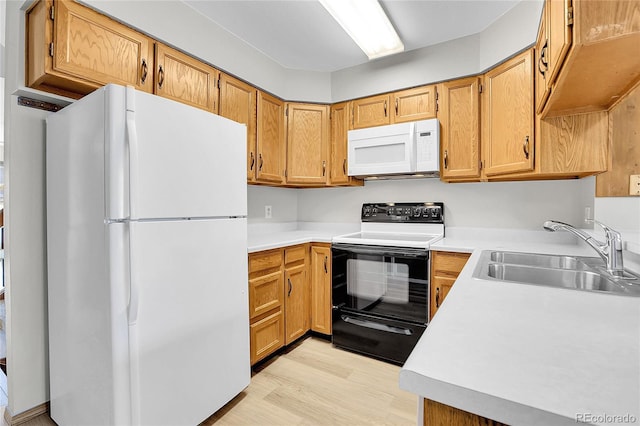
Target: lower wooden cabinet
297, 311
279, 299
266, 303
321, 288
437, 414
445, 268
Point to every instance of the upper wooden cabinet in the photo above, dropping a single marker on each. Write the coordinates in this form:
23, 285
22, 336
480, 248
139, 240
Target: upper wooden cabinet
307, 143
339, 118
185, 79
270, 142
238, 103
414, 104
72, 50
370, 112
507, 117
601, 42
397, 107
459, 115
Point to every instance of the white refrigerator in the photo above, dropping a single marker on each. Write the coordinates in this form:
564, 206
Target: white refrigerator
147, 261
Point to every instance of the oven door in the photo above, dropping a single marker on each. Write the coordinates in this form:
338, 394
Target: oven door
388, 282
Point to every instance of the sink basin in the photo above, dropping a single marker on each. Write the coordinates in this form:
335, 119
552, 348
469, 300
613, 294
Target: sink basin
539, 260
580, 280
577, 273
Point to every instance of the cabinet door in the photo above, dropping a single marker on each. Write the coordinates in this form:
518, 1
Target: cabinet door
370, 112
559, 35
507, 110
414, 104
238, 103
296, 302
445, 268
440, 287
89, 50
321, 289
307, 143
459, 114
266, 336
265, 293
541, 66
339, 128
185, 79
270, 139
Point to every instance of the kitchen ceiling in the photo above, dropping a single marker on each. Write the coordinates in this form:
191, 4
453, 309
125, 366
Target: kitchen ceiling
301, 34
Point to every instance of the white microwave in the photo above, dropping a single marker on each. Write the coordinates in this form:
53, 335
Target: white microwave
397, 149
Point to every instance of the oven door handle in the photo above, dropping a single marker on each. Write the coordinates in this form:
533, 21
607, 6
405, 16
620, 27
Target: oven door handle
382, 251
377, 326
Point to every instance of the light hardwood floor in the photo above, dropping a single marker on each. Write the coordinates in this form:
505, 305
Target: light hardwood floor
316, 384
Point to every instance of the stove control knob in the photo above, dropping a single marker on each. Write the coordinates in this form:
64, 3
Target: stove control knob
426, 213
366, 211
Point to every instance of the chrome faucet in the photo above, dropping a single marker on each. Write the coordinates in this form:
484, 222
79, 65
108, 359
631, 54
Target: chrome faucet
610, 251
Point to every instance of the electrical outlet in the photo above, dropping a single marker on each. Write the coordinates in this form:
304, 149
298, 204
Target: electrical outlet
267, 212
634, 185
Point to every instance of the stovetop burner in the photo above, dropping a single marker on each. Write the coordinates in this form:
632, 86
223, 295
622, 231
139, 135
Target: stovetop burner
416, 225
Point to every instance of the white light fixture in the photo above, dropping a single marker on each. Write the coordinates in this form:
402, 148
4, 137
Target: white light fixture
367, 24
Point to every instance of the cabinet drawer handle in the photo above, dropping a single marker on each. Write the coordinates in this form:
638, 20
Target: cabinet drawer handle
344, 166
437, 297
261, 162
326, 271
385, 108
145, 71
396, 106
160, 76
525, 147
290, 287
446, 159
253, 161
324, 167
542, 61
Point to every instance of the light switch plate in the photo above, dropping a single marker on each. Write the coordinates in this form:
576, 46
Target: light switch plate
634, 185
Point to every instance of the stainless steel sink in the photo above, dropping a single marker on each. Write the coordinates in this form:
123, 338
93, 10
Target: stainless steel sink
539, 260
570, 272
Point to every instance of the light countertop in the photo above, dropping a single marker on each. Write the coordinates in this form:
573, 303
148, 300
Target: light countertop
529, 355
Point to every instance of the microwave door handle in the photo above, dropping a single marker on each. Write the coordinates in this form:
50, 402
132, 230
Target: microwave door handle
377, 326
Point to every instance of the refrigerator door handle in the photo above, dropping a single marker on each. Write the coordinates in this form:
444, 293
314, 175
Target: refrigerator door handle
132, 137
134, 292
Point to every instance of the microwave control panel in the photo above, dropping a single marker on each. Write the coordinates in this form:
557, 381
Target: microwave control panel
426, 212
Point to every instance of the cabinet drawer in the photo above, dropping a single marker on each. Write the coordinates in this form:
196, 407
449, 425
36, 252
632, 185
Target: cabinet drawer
448, 263
266, 336
295, 254
263, 261
265, 294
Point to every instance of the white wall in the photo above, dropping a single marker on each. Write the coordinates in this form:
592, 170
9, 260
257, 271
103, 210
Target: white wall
620, 213
283, 202
511, 33
25, 260
483, 204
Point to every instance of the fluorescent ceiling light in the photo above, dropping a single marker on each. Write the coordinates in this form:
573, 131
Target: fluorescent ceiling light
367, 24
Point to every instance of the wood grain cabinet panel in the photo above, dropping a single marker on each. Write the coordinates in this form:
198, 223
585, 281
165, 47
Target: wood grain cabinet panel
73, 50
459, 115
184, 79
339, 130
437, 414
370, 112
445, 268
414, 104
296, 302
265, 293
266, 336
321, 288
508, 119
270, 146
238, 102
307, 143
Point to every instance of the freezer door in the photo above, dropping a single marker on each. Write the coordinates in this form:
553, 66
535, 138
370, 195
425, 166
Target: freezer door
189, 323
177, 161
